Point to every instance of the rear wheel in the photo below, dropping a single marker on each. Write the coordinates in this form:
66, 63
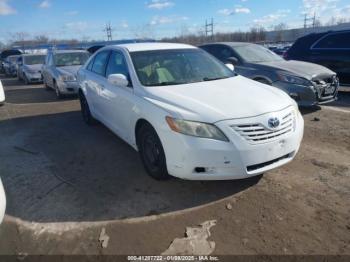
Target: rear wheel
85, 110
152, 153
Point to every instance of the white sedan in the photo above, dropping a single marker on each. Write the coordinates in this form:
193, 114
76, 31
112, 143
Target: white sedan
2, 202
187, 114
2, 94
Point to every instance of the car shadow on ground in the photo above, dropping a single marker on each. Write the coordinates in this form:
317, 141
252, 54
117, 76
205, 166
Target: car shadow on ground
32, 95
56, 169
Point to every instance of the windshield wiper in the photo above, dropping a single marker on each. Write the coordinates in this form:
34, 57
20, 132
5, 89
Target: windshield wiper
168, 83
206, 79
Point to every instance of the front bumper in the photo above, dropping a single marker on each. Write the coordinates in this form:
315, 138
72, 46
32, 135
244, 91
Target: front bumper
68, 88
34, 78
204, 159
309, 95
2, 202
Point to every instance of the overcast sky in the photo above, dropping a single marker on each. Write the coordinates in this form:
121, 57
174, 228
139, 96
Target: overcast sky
155, 18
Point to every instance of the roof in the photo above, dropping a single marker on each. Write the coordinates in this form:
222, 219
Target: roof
25, 55
233, 44
135, 47
69, 51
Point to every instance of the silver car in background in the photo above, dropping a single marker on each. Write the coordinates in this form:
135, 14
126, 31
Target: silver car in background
29, 68
60, 70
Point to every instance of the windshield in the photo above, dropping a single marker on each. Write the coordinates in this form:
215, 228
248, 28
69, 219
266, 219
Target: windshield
34, 60
176, 67
71, 59
256, 54
13, 59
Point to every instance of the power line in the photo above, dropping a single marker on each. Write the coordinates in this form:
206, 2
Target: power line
108, 29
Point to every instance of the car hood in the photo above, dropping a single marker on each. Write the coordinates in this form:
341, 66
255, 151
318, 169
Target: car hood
304, 69
214, 101
35, 68
69, 70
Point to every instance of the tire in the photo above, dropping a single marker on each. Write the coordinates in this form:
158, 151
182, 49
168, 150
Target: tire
25, 80
85, 111
152, 153
57, 91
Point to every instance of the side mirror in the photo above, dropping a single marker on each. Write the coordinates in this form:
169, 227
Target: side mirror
232, 60
118, 80
230, 66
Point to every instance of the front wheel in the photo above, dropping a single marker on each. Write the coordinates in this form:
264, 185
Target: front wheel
152, 153
57, 91
25, 80
85, 110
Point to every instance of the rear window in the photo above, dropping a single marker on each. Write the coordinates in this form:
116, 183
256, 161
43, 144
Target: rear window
334, 41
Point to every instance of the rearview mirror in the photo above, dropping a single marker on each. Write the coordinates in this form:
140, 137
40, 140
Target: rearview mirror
232, 60
231, 67
118, 80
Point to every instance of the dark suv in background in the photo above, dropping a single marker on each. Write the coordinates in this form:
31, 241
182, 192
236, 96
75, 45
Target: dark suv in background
330, 49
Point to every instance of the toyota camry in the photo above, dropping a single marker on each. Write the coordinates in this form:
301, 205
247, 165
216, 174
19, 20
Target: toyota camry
188, 114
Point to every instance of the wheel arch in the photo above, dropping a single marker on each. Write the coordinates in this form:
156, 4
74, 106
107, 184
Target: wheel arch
264, 78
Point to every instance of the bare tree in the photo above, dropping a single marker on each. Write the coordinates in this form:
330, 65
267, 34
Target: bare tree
280, 29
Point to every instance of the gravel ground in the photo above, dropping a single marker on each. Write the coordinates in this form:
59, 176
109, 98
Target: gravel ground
65, 181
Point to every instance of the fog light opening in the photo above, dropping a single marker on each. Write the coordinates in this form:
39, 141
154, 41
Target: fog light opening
200, 170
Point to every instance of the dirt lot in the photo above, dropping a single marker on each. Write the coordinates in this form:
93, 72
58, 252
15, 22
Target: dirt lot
65, 181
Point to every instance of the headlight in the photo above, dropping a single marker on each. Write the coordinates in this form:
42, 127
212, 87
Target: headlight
293, 79
67, 78
196, 129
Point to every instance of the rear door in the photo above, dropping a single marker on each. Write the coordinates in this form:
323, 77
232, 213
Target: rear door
333, 51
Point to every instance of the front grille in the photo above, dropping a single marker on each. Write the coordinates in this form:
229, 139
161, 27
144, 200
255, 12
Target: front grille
258, 133
269, 163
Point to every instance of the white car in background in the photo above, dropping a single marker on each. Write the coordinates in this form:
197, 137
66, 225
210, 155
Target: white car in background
2, 202
187, 114
2, 94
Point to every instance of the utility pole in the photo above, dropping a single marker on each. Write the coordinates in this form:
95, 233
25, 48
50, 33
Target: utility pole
307, 21
209, 28
109, 30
